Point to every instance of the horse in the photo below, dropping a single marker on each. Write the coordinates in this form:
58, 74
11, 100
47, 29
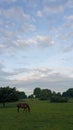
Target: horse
24, 106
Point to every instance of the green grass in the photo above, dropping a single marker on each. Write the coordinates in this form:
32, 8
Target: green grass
43, 116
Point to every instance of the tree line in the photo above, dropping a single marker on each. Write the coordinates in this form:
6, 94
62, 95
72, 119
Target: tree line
47, 94
8, 94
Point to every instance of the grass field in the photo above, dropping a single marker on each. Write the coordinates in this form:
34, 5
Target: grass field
43, 116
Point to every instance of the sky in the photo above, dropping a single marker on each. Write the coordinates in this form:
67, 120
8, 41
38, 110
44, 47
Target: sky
36, 44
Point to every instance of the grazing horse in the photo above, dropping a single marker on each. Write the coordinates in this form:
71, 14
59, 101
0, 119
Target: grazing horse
24, 106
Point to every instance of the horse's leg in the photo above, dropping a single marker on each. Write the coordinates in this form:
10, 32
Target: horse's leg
18, 109
28, 109
23, 110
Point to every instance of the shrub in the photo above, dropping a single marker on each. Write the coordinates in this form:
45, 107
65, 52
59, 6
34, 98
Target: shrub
58, 99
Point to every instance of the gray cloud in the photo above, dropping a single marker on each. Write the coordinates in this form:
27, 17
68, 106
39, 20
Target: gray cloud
7, 75
55, 82
3, 73
68, 48
39, 77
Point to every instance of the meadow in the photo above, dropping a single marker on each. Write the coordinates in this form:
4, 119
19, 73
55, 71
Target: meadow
43, 116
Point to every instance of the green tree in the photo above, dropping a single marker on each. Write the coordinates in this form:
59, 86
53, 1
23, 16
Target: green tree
21, 95
68, 93
37, 92
31, 96
45, 94
8, 94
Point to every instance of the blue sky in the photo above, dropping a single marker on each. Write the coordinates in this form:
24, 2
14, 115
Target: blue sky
36, 44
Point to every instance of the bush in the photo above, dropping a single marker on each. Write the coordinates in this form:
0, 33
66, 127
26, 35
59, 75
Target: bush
58, 99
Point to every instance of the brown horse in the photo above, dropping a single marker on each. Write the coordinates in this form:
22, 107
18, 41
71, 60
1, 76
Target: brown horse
24, 106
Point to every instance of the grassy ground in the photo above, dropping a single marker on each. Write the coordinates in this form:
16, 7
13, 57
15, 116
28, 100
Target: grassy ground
43, 116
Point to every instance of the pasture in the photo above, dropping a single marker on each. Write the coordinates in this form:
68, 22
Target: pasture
43, 116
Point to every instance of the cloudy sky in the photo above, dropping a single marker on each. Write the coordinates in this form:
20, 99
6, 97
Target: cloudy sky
36, 44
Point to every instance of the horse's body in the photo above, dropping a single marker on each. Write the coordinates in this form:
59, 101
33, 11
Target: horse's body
24, 106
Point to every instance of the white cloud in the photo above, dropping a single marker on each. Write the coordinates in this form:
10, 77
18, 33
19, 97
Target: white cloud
20, 43
45, 41
39, 13
1, 46
41, 41
14, 13
9, 1
70, 3
57, 9
51, 8
70, 17
27, 28
66, 36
